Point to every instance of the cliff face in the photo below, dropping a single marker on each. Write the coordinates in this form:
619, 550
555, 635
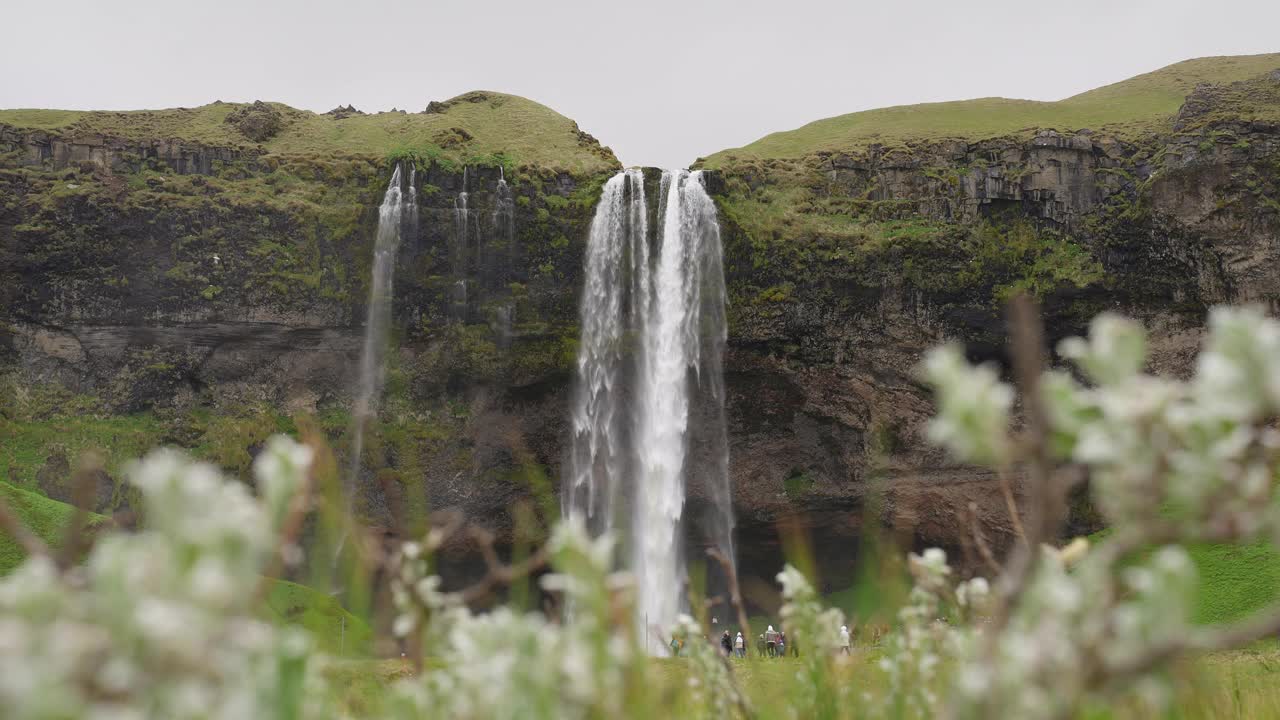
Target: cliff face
170, 291
846, 266
186, 289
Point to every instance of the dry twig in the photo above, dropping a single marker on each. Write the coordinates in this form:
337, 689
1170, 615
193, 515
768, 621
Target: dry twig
499, 573
980, 541
735, 595
84, 489
1026, 346
1011, 505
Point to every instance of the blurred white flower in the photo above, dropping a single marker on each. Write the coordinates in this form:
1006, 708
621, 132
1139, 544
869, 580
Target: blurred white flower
972, 418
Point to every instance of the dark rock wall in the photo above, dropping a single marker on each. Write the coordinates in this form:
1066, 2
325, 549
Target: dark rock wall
827, 415
168, 276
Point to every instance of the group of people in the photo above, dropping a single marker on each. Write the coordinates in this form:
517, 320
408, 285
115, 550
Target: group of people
734, 646
771, 643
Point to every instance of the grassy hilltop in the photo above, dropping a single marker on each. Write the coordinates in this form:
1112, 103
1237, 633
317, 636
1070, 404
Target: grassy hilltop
478, 124
1133, 107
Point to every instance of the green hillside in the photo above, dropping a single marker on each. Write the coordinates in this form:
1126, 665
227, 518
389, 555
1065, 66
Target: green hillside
1131, 107
473, 125
1235, 580
48, 519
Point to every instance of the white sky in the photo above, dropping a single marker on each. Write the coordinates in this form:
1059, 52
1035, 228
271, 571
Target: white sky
661, 81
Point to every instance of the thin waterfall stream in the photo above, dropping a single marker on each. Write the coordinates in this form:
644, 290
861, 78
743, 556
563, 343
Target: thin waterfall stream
397, 216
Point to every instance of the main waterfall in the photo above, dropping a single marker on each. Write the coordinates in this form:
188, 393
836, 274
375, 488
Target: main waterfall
649, 363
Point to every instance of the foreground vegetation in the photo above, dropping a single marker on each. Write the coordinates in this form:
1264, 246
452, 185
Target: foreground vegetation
172, 620
1242, 684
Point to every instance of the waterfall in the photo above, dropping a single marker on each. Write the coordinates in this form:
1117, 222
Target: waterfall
650, 360
618, 234
397, 215
504, 230
458, 253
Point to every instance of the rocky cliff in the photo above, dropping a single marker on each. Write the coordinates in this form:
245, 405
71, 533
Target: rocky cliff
845, 264
198, 277
207, 288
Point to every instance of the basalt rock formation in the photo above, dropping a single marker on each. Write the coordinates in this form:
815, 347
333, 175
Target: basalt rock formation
189, 278
845, 265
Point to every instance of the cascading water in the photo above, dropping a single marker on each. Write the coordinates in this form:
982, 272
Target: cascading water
397, 216
653, 335
458, 253
504, 233
617, 242
504, 237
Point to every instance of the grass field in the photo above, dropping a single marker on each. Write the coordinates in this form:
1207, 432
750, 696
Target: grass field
25, 444
1234, 580
1138, 105
1243, 684
493, 125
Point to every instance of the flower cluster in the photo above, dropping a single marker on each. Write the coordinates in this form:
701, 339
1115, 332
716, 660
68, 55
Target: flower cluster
710, 678
509, 664
973, 407
1168, 462
935, 625
815, 632
159, 623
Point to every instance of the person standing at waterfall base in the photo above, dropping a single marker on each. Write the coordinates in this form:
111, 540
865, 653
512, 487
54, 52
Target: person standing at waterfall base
740, 646
782, 644
771, 641
726, 644
844, 640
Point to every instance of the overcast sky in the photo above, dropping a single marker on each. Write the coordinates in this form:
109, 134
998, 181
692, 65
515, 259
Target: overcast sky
661, 81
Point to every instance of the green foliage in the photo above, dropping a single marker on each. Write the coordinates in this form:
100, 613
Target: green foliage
424, 156
798, 483
226, 438
795, 236
1019, 258
776, 294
